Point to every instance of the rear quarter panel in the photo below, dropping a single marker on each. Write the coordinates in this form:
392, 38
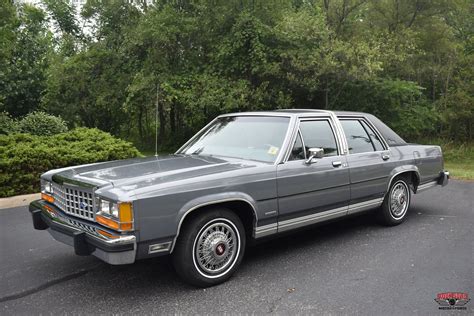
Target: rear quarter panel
426, 159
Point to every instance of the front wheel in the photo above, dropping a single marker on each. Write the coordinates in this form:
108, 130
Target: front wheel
396, 203
209, 248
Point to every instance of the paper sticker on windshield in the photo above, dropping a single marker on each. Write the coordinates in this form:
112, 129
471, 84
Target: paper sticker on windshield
273, 150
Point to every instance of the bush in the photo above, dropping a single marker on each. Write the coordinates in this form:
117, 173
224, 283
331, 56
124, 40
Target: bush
42, 124
8, 125
24, 157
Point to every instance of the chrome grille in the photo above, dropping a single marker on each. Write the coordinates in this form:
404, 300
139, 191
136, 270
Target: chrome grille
81, 226
75, 201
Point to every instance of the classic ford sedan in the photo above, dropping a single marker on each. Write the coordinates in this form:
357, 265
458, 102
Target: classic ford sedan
243, 177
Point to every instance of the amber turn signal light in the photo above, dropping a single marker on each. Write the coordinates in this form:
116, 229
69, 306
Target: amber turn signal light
107, 234
47, 198
107, 222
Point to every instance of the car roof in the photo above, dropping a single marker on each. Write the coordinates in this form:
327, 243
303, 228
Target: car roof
296, 112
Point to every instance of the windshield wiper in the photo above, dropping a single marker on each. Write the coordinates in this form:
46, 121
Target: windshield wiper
198, 151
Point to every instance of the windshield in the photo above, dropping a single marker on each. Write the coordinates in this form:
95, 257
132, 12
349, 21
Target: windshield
246, 137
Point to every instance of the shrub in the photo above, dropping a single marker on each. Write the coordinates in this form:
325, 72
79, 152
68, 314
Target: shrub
43, 124
24, 157
8, 125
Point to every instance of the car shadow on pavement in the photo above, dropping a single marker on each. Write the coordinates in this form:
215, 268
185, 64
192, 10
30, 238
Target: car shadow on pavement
158, 272
273, 263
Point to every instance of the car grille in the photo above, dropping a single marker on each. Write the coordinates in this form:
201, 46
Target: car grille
74, 201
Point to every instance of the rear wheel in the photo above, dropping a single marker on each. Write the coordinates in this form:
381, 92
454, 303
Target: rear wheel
209, 248
396, 203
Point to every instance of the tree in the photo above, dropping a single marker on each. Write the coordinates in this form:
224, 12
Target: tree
24, 51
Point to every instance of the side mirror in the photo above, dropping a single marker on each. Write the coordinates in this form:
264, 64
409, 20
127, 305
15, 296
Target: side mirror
315, 152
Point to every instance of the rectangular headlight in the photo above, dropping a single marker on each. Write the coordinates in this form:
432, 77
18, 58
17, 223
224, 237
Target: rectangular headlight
115, 215
46, 187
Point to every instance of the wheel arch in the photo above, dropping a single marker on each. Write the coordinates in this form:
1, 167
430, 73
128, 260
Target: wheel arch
240, 203
409, 170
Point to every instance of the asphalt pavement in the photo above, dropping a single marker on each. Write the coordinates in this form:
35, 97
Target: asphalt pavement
353, 266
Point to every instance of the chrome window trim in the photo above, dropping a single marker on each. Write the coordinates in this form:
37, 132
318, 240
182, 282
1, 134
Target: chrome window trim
298, 131
367, 126
261, 114
369, 123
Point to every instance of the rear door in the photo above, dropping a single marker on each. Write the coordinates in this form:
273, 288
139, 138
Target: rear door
309, 193
368, 164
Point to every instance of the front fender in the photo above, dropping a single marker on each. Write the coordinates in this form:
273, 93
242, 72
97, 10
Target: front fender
211, 199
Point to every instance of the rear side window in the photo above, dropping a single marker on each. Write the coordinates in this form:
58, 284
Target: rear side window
318, 134
373, 137
392, 138
357, 138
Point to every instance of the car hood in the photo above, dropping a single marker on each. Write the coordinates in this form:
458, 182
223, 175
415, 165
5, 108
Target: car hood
153, 170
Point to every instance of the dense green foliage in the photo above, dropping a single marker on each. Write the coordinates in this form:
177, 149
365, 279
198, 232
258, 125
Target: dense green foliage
35, 123
40, 123
407, 61
24, 157
8, 125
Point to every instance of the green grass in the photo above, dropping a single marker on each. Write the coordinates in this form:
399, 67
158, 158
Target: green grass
459, 159
460, 170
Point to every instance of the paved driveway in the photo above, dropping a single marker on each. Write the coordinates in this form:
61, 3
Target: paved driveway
352, 266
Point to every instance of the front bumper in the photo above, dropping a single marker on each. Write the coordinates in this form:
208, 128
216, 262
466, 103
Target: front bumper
82, 235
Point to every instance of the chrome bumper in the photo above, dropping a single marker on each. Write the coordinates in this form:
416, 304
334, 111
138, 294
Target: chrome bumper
73, 232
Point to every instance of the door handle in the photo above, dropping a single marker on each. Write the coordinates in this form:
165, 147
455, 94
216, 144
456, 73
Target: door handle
385, 156
336, 163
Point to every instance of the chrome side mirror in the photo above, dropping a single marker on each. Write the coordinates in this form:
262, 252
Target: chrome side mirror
315, 152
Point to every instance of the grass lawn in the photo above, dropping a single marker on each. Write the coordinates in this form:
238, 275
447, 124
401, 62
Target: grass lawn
459, 160
463, 170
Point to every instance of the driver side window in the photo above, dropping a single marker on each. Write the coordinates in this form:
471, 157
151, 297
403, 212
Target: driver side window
297, 152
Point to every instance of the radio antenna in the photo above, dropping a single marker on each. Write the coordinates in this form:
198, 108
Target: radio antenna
156, 119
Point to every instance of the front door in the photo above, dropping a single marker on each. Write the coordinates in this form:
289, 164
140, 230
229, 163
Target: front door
315, 191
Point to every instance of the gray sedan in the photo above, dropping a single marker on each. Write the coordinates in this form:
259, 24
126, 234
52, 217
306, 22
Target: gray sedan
243, 177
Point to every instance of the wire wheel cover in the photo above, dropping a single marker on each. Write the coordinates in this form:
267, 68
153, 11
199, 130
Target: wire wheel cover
216, 247
399, 200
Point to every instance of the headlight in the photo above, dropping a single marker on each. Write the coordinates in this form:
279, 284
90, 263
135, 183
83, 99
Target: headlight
108, 208
115, 215
46, 187
47, 191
